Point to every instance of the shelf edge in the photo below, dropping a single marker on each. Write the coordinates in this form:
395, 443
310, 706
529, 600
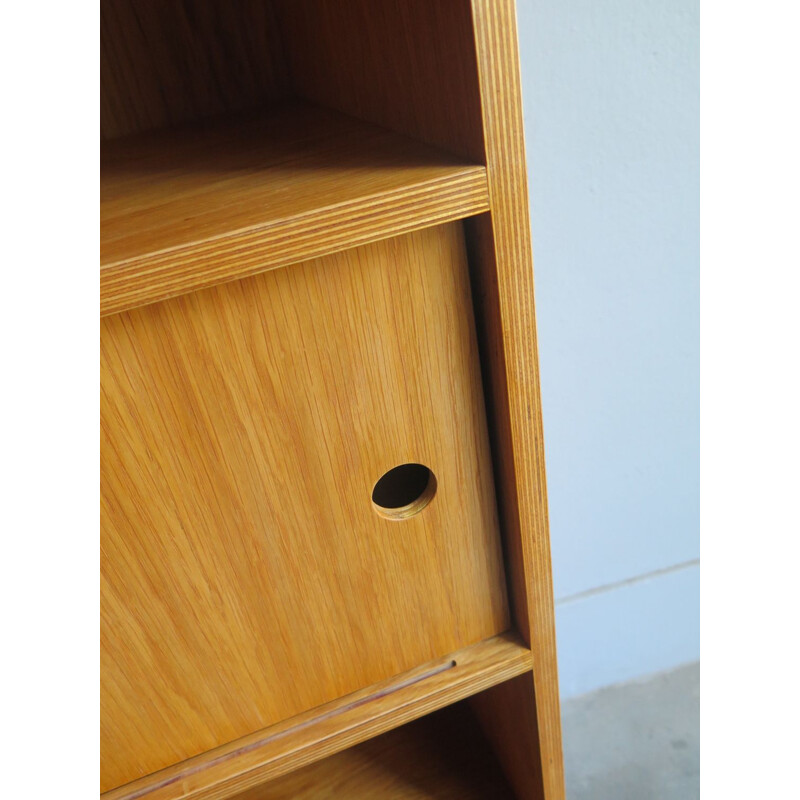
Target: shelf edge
159, 276
323, 731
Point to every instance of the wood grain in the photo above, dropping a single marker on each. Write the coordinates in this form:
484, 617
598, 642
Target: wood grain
239, 576
440, 757
506, 308
245, 575
507, 713
164, 62
408, 65
189, 208
296, 743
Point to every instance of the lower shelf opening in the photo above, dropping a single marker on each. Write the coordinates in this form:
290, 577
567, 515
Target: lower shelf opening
443, 755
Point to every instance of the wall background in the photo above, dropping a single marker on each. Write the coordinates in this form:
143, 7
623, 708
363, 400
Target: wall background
611, 100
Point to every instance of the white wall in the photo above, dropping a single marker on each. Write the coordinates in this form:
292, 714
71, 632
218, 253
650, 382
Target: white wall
611, 99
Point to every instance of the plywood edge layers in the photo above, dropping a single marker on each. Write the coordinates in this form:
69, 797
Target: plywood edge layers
159, 276
510, 321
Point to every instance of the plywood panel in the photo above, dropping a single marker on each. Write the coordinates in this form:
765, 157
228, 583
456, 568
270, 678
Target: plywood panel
406, 64
440, 757
184, 209
325, 730
163, 62
245, 575
507, 714
506, 307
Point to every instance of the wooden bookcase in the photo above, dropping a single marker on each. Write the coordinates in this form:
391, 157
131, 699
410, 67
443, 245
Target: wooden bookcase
325, 565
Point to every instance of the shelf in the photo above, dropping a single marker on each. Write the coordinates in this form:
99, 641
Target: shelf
191, 207
331, 728
443, 756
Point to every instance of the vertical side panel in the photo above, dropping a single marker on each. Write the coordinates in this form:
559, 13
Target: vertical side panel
511, 325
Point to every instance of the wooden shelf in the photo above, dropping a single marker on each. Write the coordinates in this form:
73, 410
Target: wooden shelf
255, 606
329, 729
443, 756
191, 207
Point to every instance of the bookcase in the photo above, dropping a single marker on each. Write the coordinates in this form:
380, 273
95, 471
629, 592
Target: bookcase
325, 566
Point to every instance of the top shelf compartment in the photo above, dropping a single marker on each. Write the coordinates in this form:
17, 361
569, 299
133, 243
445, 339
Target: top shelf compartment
186, 208
240, 137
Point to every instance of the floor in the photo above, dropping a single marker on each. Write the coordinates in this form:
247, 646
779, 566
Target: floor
635, 741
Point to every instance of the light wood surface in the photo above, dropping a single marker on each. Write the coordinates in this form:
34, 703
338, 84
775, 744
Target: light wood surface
189, 208
408, 65
329, 729
440, 757
163, 62
246, 576
507, 320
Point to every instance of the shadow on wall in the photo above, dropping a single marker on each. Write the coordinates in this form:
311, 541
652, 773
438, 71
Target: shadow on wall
611, 97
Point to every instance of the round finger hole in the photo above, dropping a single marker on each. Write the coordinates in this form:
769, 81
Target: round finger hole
403, 491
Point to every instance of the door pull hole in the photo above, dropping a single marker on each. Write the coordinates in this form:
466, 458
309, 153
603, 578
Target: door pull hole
403, 491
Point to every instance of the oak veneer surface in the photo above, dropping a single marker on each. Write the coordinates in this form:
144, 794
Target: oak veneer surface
439, 757
245, 576
163, 62
326, 730
190, 207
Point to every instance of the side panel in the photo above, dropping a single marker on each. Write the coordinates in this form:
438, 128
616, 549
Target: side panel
506, 316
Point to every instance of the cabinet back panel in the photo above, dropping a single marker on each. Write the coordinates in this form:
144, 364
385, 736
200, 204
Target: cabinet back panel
163, 62
245, 575
408, 65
